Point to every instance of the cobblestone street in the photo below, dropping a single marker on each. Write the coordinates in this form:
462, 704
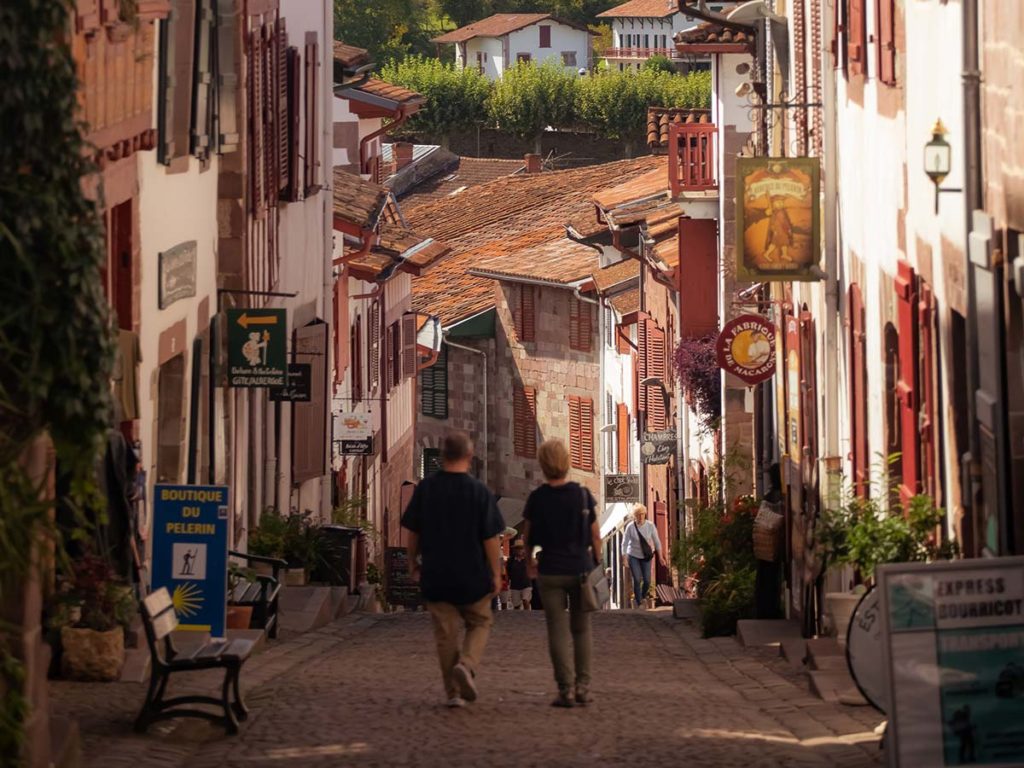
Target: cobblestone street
365, 691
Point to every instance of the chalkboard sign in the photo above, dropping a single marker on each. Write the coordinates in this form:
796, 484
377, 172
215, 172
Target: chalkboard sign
398, 583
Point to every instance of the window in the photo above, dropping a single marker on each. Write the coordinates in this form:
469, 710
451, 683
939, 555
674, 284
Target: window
569, 58
373, 344
523, 57
581, 433
581, 325
524, 428
524, 312
291, 128
651, 364
886, 44
434, 387
170, 419
174, 81
430, 462
545, 36
311, 161
393, 367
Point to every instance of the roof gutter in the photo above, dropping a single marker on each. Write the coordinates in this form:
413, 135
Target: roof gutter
366, 236
364, 143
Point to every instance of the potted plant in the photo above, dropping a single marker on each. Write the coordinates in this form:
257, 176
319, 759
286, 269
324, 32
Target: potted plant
239, 616
289, 537
92, 640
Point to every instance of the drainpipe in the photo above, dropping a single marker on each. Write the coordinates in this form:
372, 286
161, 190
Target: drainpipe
484, 429
365, 141
971, 463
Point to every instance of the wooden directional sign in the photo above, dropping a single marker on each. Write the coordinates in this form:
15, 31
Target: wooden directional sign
257, 347
299, 386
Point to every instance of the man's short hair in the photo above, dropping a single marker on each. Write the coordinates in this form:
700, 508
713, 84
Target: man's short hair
457, 446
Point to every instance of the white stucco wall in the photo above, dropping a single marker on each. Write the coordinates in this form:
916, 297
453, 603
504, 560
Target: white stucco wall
491, 50
563, 38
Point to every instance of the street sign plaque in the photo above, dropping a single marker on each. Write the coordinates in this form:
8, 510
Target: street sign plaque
299, 386
257, 347
621, 488
658, 447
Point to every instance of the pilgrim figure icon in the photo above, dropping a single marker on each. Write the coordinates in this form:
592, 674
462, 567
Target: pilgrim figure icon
255, 349
189, 560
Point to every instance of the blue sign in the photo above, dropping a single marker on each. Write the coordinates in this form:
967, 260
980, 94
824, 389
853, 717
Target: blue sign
190, 553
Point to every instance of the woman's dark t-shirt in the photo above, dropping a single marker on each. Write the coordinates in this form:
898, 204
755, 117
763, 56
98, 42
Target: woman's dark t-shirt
559, 528
453, 514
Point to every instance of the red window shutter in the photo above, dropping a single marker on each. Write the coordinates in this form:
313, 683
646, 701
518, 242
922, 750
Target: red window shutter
545, 36
586, 434
925, 321
622, 433
373, 342
575, 437
584, 325
697, 277
858, 394
524, 417
528, 312
389, 358
657, 418
643, 347
856, 37
907, 385
574, 323
886, 15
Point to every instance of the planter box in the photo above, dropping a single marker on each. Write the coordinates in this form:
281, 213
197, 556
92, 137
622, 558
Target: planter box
294, 577
839, 607
239, 616
91, 655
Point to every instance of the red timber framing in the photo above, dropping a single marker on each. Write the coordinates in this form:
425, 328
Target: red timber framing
858, 392
907, 392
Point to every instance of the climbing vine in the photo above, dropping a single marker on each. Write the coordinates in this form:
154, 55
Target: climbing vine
56, 345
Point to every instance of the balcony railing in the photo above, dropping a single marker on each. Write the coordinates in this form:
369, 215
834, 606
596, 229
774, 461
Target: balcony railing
640, 53
691, 157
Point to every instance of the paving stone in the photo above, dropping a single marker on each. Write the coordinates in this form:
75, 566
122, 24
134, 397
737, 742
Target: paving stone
770, 632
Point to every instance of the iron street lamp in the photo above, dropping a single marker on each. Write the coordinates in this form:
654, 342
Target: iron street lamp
938, 160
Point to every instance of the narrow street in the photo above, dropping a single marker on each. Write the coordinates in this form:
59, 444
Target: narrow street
365, 692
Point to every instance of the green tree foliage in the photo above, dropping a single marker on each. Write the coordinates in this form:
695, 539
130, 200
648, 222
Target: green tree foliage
529, 98
601, 40
456, 99
388, 29
659, 63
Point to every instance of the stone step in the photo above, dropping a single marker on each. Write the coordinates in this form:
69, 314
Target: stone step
830, 663
342, 603
686, 608
836, 687
305, 608
65, 743
819, 647
766, 632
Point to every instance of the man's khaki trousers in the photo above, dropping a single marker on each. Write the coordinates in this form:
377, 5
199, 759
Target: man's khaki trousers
477, 618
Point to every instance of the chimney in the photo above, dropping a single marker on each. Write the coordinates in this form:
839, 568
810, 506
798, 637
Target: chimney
533, 162
401, 154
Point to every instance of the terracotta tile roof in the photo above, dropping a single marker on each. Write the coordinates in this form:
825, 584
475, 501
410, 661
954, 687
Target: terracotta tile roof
357, 201
559, 261
654, 183
500, 24
659, 119
666, 248
651, 9
709, 33
627, 301
468, 172
349, 56
606, 278
396, 93
419, 251
503, 216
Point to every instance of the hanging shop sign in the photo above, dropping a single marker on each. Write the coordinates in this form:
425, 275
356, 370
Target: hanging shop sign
658, 447
621, 488
864, 650
954, 657
176, 275
746, 348
190, 553
777, 212
353, 434
257, 347
299, 385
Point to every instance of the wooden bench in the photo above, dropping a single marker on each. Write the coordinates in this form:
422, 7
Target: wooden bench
159, 620
263, 594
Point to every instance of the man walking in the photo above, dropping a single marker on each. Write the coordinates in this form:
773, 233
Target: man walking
454, 523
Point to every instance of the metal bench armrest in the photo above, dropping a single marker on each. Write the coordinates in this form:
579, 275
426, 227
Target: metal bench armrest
276, 563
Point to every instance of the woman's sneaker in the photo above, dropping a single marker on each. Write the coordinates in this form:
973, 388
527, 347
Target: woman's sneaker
564, 699
583, 696
455, 702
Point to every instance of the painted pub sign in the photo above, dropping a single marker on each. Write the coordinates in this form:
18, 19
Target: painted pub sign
746, 348
777, 212
257, 347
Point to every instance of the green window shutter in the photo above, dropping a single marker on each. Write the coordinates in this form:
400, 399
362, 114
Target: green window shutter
434, 387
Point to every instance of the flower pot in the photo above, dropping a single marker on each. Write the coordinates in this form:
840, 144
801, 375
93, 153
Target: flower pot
239, 616
91, 655
839, 607
294, 577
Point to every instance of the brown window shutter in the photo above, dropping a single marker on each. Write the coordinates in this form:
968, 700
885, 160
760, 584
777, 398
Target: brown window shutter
409, 357
656, 415
257, 167
925, 322
586, 331
341, 339
886, 15
586, 434
858, 393
697, 277
545, 36
396, 353
312, 157
622, 434
389, 357
290, 165
281, 92
528, 313
202, 120
622, 345
357, 359
907, 385
575, 432
309, 422
184, 50
808, 388
373, 344
524, 432
643, 348
574, 323
516, 308
227, 77
434, 387
855, 37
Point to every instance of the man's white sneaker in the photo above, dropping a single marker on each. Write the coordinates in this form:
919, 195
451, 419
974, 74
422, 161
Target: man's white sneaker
464, 679
455, 702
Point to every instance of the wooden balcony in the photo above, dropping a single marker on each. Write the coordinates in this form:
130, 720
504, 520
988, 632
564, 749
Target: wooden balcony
640, 53
691, 157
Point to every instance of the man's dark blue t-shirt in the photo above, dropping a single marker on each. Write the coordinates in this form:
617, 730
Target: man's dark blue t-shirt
453, 514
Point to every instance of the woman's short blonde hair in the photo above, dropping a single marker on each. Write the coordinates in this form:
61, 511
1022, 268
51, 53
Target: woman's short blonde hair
640, 508
554, 459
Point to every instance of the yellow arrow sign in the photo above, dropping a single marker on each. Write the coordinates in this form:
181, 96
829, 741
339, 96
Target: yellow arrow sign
245, 320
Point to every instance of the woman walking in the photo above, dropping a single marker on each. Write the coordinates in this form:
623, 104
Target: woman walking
639, 545
560, 519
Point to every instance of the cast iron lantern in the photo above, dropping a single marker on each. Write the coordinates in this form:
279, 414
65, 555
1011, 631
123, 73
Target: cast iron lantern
938, 159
